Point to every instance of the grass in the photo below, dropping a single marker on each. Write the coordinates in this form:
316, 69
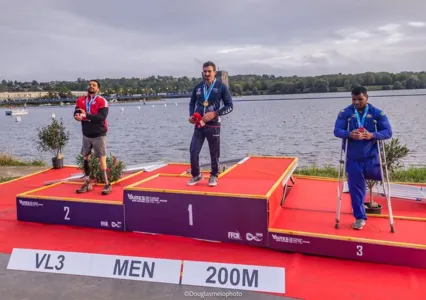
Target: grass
4, 179
412, 174
10, 161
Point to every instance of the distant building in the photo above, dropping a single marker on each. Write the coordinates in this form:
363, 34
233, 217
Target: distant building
32, 95
223, 76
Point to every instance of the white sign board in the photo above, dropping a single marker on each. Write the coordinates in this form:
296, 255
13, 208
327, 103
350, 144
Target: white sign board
98, 265
220, 275
232, 276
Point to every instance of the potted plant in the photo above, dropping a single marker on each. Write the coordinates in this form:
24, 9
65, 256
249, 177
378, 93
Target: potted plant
53, 138
115, 168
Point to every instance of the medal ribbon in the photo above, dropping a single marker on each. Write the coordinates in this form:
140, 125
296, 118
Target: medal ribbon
88, 104
361, 123
207, 93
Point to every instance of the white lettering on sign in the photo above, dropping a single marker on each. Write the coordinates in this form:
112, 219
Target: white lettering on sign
145, 199
234, 235
232, 276
98, 265
242, 277
29, 203
49, 261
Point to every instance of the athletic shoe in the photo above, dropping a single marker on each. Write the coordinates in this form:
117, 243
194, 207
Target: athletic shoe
213, 181
359, 224
86, 187
107, 189
195, 180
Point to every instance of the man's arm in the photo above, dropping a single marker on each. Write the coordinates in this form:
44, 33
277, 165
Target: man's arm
384, 129
228, 106
192, 102
341, 126
77, 109
100, 116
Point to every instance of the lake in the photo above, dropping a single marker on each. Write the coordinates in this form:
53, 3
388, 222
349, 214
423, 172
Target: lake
291, 127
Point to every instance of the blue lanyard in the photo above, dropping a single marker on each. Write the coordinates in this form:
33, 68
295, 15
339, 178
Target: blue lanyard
207, 93
361, 123
88, 104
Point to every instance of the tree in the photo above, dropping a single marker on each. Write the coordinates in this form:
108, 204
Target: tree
53, 138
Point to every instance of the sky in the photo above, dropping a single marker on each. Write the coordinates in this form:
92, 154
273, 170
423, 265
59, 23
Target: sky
48, 40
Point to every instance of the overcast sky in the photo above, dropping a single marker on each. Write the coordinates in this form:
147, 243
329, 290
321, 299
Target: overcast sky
66, 39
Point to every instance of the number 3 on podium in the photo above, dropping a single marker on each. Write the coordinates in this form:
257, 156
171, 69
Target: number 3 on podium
359, 249
191, 220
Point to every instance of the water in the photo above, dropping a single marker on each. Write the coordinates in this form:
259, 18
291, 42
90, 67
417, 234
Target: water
292, 127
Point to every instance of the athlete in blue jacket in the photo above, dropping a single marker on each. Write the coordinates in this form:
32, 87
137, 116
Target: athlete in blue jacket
206, 101
362, 155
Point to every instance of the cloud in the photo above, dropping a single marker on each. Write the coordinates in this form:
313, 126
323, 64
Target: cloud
67, 39
417, 24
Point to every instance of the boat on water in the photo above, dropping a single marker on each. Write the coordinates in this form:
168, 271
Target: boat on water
16, 112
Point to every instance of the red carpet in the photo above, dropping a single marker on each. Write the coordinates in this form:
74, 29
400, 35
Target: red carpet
321, 195
227, 185
311, 207
307, 277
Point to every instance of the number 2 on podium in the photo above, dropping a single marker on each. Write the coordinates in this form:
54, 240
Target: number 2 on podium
67, 212
191, 220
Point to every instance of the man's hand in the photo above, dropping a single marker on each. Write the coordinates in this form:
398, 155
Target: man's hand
366, 135
361, 135
355, 135
82, 113
209, 116
191, 120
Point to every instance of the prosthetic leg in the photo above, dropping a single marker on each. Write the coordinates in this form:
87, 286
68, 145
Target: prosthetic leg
383, 173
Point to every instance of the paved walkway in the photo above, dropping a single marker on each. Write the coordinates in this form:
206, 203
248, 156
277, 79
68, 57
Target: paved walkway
19, 171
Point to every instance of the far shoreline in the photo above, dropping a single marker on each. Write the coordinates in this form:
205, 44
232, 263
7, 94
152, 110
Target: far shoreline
155, 98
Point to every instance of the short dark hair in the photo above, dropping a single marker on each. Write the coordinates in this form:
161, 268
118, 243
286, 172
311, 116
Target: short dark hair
97, 82
359, 90
209, 64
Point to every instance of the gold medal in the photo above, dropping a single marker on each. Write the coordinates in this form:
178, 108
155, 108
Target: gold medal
206, 103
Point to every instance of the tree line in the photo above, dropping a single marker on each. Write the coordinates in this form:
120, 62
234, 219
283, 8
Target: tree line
249, 84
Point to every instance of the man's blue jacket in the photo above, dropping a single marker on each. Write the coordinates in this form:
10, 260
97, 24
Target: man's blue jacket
362, 149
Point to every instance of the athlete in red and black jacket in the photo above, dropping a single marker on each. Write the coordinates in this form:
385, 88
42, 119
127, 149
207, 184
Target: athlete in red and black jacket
92, 111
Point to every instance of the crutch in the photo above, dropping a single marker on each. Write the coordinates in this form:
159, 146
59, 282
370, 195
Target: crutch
384, 169
341, 176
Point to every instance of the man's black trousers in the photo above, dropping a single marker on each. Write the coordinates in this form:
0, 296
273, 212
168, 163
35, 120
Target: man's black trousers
212, 134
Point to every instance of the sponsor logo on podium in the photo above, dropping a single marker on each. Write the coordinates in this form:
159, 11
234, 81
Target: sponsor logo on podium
258, 237
234, 235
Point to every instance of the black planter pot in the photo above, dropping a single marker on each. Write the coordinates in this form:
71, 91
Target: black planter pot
57, 163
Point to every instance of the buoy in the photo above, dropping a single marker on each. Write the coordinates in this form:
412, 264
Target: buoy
122, 109
139, 107
176, 103
53, 116
165, 105
153, 106
18, 119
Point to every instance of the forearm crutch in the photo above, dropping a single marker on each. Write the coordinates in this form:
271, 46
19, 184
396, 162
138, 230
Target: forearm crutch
385, 174
341, 176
